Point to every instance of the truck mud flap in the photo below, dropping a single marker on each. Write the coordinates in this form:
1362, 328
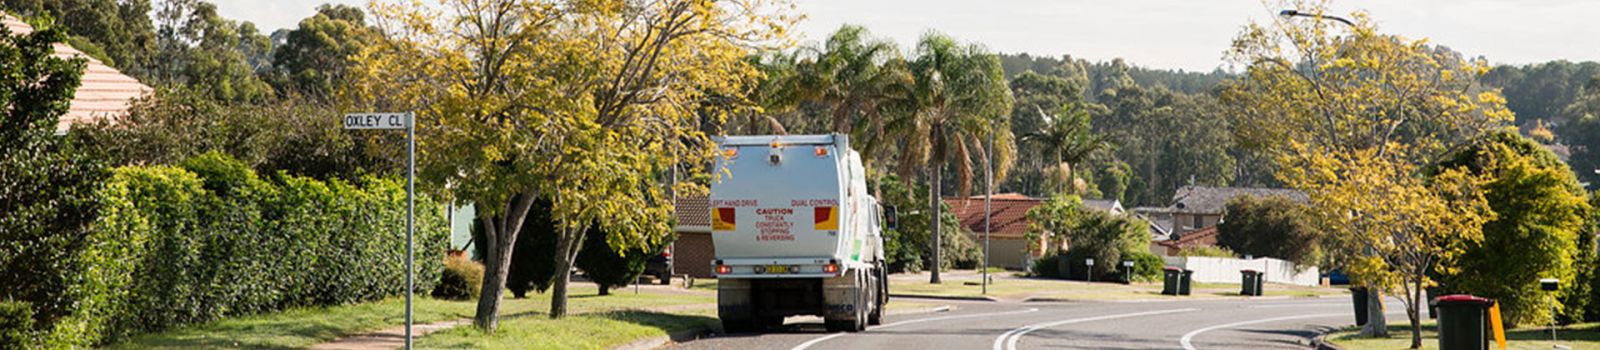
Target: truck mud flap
840, 294
733, 299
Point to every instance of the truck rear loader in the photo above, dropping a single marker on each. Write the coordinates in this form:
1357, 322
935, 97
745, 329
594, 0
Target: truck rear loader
795, 233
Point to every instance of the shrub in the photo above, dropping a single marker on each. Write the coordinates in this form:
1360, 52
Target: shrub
608, 266
1207, 251
1046, 266
16, 325
462, 279
1146, 266
176, 246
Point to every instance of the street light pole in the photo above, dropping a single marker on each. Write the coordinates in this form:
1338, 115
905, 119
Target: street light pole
1294, 13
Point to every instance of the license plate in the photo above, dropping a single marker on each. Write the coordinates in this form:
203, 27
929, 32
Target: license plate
777, 269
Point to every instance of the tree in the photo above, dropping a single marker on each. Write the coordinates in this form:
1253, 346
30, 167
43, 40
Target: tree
1276, 227
1353, 116
1582, 134
1067, 139
531, 267
201, 50
958, 99
314, 56
46, 186
853, 74
608, 267
1539, 212
588, 105
905, 248
1053, 220
118, 32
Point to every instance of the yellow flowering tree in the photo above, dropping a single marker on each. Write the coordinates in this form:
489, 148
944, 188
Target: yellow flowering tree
588, 104
1354, 115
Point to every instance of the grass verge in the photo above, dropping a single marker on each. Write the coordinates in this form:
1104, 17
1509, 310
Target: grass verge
1585, 336
587, 331
299, 328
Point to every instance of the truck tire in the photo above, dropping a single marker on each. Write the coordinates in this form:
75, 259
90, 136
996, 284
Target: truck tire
665, 278
875, 316
862, 303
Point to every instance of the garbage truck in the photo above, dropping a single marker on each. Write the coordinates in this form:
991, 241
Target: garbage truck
795, 233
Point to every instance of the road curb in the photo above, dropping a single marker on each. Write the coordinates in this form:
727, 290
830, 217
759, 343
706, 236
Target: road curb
1321, 343
941, 308
943, 297
660, 341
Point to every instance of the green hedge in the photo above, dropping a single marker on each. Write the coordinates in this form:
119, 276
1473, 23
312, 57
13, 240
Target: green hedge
212, 239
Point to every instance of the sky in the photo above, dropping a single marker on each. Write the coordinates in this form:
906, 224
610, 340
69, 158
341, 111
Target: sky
1171, 34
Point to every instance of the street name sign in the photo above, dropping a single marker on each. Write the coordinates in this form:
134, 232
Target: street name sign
396, 121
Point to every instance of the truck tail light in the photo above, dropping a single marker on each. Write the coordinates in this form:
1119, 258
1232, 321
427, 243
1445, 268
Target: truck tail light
831, 267
822, 151
794, 269
724, 269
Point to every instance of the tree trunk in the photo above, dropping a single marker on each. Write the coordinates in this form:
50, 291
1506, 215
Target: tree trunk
605, 289
933, 222
1413, 313
1377, 325
500, 235
567, 247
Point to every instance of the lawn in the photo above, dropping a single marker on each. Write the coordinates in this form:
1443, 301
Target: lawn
1579, 336
588, 331
300, 328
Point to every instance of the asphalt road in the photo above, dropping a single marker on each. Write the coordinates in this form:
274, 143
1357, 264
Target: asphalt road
1212, 324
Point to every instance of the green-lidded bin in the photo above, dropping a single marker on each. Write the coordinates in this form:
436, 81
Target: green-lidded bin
1358, 297
1169, 280
1183, 281
1463, 321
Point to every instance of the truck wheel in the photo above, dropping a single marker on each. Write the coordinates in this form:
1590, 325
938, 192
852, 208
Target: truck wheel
834, 326
862, 304
875, 317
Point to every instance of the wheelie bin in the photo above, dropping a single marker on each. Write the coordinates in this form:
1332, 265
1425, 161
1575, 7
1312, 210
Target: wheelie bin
1463, 321
1169, 280
1183, 281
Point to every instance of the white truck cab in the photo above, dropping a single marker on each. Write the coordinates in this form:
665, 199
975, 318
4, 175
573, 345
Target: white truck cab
795, 233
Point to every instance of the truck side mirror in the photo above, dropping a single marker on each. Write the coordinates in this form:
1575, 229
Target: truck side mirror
890, 220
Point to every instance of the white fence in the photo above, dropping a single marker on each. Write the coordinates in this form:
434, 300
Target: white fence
1226, 270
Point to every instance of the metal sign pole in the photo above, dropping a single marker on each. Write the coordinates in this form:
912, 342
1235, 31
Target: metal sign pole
397, 121
411, 218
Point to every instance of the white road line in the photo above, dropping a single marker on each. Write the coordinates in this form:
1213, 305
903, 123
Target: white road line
1009, 339
1188, 339
808, 344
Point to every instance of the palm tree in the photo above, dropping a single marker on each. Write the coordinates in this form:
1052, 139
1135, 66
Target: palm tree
957, 97
1069, 138
853, 74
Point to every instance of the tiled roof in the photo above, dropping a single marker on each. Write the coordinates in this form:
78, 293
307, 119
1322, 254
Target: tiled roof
1212, 200
105, 92
1190, 239
693, 214
1010, 218
1106, 205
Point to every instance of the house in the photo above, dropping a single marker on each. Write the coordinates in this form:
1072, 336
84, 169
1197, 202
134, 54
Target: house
1173, 247
693, 251
105, 92
1198, 207
1008, 227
